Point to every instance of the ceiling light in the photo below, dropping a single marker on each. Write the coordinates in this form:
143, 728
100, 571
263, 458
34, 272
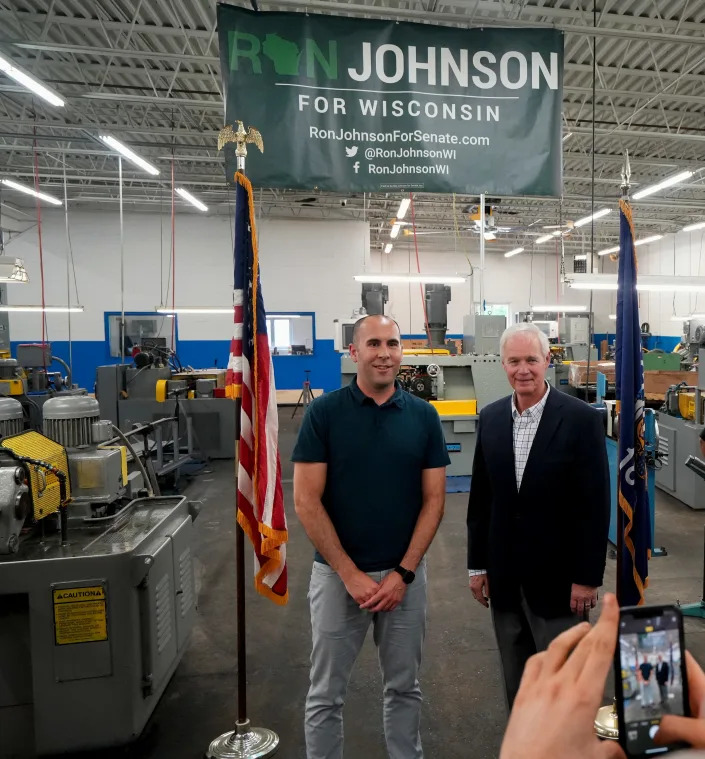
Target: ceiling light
647, 240
675, 179
282, 316
693, 227
30, 191
686, 317
543, 239
580, 257
395, 230
587, 219
28, 81
566, 136
489, 236
388, 247
558, 309
196, 310
129, 154
403, 208
12, 270
607, 251
45, 309
645, 283
437, 279
193, 201
514, 252
613, 317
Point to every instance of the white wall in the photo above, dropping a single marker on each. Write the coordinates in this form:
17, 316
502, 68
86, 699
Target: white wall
306, 265
681, 254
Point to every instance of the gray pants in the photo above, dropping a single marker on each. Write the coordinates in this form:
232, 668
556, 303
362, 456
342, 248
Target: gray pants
520, 634
339, 627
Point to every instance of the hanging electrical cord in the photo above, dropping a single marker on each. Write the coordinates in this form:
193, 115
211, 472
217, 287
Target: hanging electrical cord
68, 280
591, 320
39, 236
173, 258
418, 269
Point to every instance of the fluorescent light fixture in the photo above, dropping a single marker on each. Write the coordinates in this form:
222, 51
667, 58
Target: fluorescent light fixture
45, 309
543, 239
587, 219
580, 257
514, 252
12, 270
431, 279
28, 81
693, 227
129, 154
283, 316
403, 208
31, 191
645, 283
559, 309
647, 240
171, 311
669, 182
388, 247
193, 201
489, 236
613, 317
687, 317
567, 136
395, 230
607, 251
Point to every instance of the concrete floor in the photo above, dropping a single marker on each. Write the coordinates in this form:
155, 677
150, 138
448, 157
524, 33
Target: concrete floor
463, 703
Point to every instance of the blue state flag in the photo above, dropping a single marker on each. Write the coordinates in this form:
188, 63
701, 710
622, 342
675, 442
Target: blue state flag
633, 497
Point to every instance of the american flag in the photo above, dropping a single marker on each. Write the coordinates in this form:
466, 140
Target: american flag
250, 376
633, 495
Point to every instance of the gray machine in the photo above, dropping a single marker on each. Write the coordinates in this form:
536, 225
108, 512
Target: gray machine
692, 340
679, 438
437, 300
131, 395
94, 618
481, 333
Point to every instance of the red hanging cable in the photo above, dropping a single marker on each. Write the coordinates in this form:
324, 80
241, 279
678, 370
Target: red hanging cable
418, 270
39, 235
173, 260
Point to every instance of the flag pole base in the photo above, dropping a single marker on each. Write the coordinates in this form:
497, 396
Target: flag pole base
606, 726
245, 742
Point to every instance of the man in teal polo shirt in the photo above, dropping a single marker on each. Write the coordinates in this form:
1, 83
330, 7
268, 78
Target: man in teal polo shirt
369, 489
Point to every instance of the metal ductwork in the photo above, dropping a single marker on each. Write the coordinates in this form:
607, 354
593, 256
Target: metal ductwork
69, 421
437, 300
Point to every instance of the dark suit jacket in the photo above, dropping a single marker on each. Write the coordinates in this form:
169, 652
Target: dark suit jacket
662, 673
553, 531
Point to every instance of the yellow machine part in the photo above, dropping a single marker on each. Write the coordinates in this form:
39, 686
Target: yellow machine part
12, 387
161, 390
43, 485
686, 405
426, 352
455, 408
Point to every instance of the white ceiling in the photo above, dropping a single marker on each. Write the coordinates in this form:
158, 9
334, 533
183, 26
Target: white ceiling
148, 70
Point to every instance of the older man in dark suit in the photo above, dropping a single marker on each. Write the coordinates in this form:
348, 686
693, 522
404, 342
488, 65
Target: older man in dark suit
538, 513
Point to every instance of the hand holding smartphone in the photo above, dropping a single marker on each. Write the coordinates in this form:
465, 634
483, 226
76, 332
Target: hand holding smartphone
650, 676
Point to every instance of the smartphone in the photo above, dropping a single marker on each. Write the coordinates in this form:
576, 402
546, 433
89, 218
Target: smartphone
650, 676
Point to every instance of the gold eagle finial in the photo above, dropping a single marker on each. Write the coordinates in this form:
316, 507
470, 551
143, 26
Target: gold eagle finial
240, 137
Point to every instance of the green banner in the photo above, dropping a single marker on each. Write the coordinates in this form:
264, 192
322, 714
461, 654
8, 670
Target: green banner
363, 105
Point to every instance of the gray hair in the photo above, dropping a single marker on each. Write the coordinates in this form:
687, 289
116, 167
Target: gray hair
523, 327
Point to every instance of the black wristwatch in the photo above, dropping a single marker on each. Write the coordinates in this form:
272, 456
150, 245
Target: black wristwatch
406, 574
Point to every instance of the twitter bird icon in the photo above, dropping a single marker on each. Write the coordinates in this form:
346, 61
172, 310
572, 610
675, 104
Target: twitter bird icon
351, 152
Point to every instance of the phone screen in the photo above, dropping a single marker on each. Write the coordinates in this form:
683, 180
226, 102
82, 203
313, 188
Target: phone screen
651, 663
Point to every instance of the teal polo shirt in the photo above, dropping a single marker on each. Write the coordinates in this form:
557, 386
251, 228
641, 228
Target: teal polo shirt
375, 457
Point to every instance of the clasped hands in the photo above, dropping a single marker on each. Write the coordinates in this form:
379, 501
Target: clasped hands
375, 596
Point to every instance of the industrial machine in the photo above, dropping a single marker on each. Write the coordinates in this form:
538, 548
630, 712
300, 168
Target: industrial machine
481, 333
150, 389
692, 340
97, 592
680, 421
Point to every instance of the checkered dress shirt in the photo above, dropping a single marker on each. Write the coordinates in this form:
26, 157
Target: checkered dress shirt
525, 426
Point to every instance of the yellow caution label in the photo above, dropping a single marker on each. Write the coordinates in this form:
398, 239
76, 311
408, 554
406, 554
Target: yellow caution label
80, 615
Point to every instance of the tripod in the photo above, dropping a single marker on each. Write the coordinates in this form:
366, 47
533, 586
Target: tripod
306, 395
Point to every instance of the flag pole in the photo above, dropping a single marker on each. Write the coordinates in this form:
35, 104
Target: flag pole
606, 722
245, 742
